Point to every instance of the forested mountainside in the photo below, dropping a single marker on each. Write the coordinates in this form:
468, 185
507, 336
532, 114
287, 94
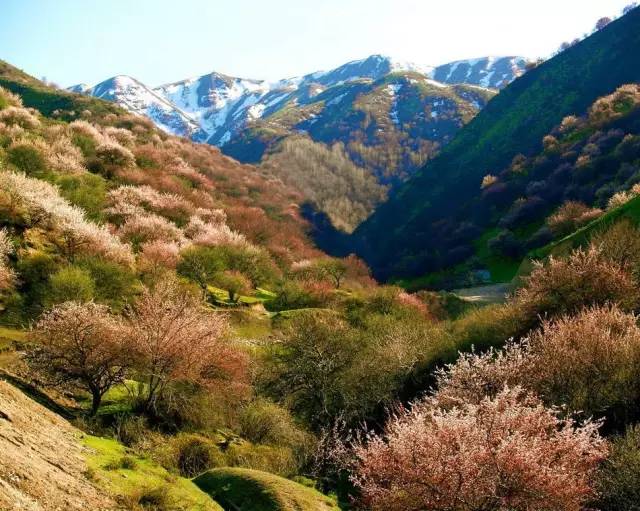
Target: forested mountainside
385, 116
171, 339
433, 221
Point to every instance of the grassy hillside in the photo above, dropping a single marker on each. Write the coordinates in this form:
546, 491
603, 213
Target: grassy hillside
410, 234
252, 490
50, 101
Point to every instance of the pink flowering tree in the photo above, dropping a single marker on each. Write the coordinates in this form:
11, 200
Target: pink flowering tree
504, 453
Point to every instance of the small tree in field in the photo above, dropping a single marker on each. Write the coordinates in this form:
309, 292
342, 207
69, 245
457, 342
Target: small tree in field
334, 269
234, 283
82, 345
179, 341
200, 264
509, 453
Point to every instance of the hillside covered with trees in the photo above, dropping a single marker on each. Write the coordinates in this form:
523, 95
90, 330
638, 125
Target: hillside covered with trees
171, 339
420, 229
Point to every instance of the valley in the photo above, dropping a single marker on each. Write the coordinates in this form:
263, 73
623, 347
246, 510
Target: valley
382, 287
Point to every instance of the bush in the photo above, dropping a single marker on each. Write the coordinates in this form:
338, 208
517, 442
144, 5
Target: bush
506, 244
28, 159
194, 455
114, 284
619, 477
130, 429
152, 499
70, 284
234, 283
586, 277
570, 216
620, 243
268, 458
508, 452
589, 362
110, 153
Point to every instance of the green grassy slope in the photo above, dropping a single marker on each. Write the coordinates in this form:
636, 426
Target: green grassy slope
138, 480
401, 234
252, 490
47, 100
579, 238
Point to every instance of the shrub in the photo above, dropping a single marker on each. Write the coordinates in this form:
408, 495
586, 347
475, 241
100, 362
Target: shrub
233, 282
177, 341
620, 243
194, 455
619, 477
152, 499
589, 362
264, 422
566, 285
114, 284
29, 201
200, 264
7, 275
506, 244
111, 153
571, 216
7, 98
488, 180
489, 326
27, 158
619, 199
70, 284
17, 116
508, 452
129, 429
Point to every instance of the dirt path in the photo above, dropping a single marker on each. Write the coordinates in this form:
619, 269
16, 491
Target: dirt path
493, 293
41, 463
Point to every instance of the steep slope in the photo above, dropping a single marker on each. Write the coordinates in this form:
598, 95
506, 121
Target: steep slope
42, 466
420, 229
63, 105
389, 126
137, 98
494, 72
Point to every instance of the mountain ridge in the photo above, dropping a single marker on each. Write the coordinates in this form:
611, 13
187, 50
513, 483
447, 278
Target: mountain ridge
420, 213
222, 105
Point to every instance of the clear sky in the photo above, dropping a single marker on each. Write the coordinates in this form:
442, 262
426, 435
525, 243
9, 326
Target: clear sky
158, 41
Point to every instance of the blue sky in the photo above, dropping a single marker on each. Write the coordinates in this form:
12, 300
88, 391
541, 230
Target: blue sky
158, 41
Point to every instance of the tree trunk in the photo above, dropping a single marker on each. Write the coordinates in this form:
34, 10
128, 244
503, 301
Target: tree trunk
96, 399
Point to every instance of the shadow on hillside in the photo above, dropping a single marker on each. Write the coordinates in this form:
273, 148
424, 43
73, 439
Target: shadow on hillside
324, 234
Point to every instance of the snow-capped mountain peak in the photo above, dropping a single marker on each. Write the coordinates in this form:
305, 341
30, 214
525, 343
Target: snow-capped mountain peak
136, 97
216, 107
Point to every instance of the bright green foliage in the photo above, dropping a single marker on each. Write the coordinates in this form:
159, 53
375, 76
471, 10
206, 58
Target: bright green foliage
114, 284
233, 282
201, 264
252, 490
85, 190
105, 462
28, 159
70, 284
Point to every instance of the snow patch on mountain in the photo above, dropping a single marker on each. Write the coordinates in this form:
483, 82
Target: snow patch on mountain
216, 107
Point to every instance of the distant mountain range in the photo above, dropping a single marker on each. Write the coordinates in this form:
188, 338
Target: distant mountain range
216, 108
